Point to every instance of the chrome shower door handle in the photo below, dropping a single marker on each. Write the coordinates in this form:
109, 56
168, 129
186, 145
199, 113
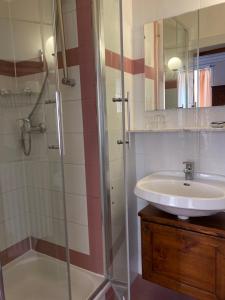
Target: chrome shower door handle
60, 122
2, 292
128, 119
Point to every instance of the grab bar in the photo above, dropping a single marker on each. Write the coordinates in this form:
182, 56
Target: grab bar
66, 80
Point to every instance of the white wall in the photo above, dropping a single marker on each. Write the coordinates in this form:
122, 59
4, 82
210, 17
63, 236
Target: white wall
43, 170
21, 31
145, 11
14, 225
43, 166
31, 201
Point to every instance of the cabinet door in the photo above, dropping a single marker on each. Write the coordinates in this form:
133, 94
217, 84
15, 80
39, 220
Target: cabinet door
181, 260
220, 272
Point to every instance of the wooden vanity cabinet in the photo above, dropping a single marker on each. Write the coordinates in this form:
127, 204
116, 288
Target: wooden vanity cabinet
186, 256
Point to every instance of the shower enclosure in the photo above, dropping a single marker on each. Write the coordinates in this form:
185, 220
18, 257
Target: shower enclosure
51, 204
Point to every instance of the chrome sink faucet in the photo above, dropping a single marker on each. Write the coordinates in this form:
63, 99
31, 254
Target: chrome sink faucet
189, 170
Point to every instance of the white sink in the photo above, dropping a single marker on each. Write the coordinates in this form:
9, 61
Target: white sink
170, 192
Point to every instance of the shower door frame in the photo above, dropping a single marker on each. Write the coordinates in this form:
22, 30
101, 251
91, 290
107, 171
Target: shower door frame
103, 134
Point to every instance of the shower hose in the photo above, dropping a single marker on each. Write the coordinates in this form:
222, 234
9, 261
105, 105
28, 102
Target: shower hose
26, 139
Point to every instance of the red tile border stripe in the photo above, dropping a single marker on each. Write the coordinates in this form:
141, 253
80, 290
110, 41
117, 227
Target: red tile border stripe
25, 68
150, 73
86, 53
22, 68
14, 251
131, 66
74, 57
110, 295
59, 252
48, 248
7, 68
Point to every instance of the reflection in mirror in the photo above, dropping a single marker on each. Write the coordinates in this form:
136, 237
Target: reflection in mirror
185, 60
180, 35
212, 56
151, 64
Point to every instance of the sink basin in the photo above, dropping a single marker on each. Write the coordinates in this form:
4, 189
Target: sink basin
170, 192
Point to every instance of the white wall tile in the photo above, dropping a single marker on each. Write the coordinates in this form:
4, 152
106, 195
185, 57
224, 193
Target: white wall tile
49, 229
78, 238
70, 23
74, 148
10, 149
13, 203
115, 150
77, 209
11, 176
2, 237
68, 5
75, 179
71, 93
72, 117
211, 156
116, 169
112, 38
15, 230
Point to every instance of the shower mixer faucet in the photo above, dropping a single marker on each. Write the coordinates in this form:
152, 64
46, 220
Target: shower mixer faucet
27, 127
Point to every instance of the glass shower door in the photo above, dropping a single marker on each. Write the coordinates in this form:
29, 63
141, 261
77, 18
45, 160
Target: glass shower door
112, 105
33, 233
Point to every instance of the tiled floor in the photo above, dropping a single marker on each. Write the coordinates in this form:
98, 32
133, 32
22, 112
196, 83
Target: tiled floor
144, 290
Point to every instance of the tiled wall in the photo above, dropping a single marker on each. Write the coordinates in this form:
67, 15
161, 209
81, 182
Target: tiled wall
14, 223
81, 150
75, 173
43, 173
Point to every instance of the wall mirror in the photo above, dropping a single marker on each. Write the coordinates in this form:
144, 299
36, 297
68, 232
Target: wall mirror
185, 60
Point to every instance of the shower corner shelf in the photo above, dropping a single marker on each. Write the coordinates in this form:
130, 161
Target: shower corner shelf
16, 99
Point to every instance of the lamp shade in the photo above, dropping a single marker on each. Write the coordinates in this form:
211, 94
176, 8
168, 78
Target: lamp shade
175, 63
